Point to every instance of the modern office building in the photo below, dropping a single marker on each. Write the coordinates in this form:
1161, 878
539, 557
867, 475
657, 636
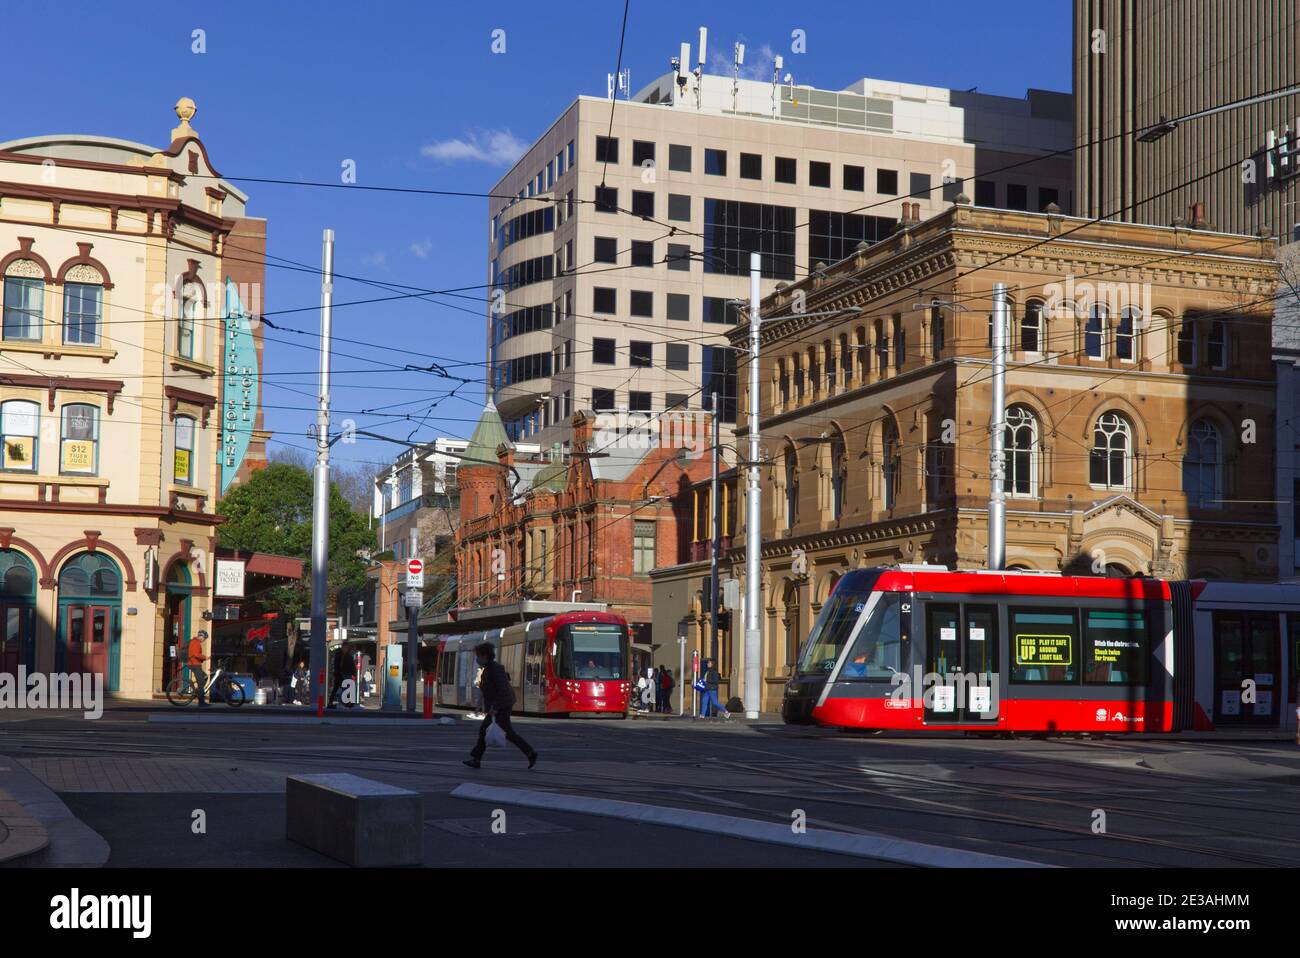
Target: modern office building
628, 224
1138, 61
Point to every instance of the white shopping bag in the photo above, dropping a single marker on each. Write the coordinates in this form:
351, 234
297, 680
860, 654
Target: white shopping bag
495, 737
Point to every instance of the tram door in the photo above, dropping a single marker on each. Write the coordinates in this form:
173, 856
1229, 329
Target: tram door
1247, 660
961, 662
535, 670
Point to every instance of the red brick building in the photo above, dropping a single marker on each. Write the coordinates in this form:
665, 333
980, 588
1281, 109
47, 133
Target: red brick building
586, 524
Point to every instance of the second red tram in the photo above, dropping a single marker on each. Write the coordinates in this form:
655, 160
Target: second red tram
998, 652
574, 664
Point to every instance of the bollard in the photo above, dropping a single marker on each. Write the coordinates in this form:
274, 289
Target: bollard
428, 695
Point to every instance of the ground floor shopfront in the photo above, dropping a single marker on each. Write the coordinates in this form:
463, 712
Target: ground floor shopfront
117, 592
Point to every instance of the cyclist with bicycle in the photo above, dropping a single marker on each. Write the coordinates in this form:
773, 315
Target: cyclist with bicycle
195, 660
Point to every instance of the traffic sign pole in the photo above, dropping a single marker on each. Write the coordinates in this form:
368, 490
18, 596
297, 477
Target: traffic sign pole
414, 599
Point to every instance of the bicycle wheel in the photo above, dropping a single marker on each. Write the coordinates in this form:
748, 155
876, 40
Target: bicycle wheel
180, 692
232, 692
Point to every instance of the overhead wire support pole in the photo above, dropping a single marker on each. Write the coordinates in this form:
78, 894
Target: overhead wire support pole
320, 526
753, 509
997, 433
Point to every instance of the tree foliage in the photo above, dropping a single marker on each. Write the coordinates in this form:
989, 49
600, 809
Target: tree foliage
272, 512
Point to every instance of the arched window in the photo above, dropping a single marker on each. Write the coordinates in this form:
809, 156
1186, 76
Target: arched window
900, 343
1126, 337
1201, 466
1032, 336
846, 360
798, 378
791, 487
838, 468
1094, 334
91, 575
790, 621
190, 300
814, 372
83, 305
1021, 452
890, 464
783, 382
863, 349
20, 426
183, 466
1111, 462
24, 305
882, 349
17, 575
828, 349
79, 440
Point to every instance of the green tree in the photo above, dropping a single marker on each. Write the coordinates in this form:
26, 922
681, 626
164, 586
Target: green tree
272, 513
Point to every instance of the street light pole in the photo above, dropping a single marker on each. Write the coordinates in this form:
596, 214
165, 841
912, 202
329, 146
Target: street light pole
997, 433
320, 526
753, 511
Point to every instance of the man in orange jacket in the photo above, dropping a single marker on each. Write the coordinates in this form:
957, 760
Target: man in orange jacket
195, 659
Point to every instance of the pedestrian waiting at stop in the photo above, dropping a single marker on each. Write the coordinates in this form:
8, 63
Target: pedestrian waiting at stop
666, 684
709, 705
498, 700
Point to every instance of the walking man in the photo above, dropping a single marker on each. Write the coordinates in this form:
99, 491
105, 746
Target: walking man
498, 699
710, 704
194, 660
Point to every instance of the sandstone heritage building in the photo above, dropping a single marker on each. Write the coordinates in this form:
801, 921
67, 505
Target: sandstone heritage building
1140, 409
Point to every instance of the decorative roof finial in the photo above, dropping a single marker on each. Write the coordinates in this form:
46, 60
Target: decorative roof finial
185, 110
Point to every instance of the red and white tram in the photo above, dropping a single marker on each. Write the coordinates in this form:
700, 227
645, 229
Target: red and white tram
573, 663
925, 648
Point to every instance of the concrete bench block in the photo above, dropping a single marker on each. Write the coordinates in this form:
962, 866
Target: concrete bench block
357, 821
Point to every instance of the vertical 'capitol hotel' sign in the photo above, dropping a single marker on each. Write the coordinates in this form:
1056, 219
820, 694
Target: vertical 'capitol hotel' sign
239, 395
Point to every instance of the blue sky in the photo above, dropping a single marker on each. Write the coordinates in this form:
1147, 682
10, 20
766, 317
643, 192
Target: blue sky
414, 95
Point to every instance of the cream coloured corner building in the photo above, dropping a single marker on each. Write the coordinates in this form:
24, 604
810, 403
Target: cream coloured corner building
114, 257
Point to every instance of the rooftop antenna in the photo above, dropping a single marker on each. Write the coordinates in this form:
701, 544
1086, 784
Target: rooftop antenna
682, 65
737, 62
699, 67
625, 82
776, 80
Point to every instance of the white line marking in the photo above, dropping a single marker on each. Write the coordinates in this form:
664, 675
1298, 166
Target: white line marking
881, 847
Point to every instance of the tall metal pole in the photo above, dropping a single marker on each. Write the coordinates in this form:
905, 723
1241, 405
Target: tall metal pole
753, 512
320, 524
997, 433
715, 539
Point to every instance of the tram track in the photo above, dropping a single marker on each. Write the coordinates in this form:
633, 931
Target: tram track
802, 788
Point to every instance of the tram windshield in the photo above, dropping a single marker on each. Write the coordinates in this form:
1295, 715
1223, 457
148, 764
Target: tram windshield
834, 627
591, 650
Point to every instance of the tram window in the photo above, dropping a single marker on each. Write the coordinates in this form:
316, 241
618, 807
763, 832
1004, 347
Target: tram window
833, 628
1044, 645
1116, 647
877, 651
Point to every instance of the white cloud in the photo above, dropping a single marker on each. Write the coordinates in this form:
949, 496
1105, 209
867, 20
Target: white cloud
422, 248
757, 66
496, 147
377, 258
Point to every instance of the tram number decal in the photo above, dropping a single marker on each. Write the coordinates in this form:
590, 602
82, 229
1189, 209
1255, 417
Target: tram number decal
1043, 650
